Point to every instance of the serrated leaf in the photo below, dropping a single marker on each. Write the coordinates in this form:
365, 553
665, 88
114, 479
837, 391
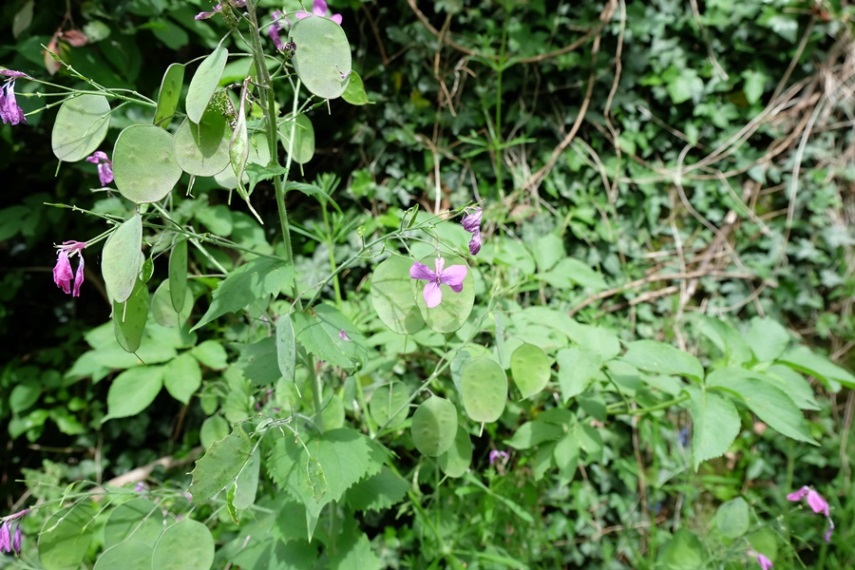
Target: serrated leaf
715, 424
380, 491
255, 280
220, 465
330, 336
325, 468
662, 358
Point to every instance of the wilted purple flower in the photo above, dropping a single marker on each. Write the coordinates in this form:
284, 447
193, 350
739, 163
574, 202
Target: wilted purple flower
7, 543
5, 538
319, 9
816, 503
219, 8
62, 275
764, 562
10, 112
453, 277
105, 166
16, 541
276, 28
472, 224
496, 455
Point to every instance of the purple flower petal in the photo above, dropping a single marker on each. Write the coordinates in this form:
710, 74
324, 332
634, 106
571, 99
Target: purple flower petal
5, 538
797, 495
472, 222
817, 503
475, 243
336, 18
454, 276
343, 335
764, 562
16, 542
432, 294
62, 274
422, 272
97, 156
78, 278
10, 112
12, 73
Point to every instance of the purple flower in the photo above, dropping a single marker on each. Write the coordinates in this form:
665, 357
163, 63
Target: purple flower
816, 503
496, 455
10, 112
276, 28
62, 275
472, 224
319, 9
105, 166
453, 277
343, 336
219, 8
5, 538
764, 562
16, 542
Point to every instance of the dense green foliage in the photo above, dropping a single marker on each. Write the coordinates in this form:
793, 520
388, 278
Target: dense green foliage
640, 365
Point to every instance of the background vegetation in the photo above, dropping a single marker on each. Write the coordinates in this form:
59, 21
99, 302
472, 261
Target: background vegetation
650, 168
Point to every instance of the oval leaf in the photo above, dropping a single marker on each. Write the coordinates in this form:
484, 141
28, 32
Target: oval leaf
434, 426
164, 312
303, 148
122, 259
178, 275
129, 318
455, 462
138, 520
203, 149
392, 296
81, 125
133, 390
144, 164
483, 389
65, 537
354, 93
204, 83
530, 368
182, 376
322, 59
389, 405
170, 94
126, 556
187, 545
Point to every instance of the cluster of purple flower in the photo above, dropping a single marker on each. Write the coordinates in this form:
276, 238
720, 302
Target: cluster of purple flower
817, 504
10, 112
9, 541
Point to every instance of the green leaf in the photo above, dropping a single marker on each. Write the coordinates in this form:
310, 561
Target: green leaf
661, 358
328, 465
531, 434
202, 149
804, 360
322, 59
530, 368
455, 462
683, 552
182, 376
483, 389
220, 465
122, 259
65, 537
144, 164
548, 251
576, 370
126, 556
321, 334
132, 391
255, 280
286, 347
214, 429
380, 491
569, 272
218, 219
246, 484
138, 520
452, 312
392, 296
753, 87
80, 127
566, 454
303, 148
389, 405
170, 94
205, 82
685, 85
793, 385
211, 354
732, 518
178, 275
715, 424
163, 310
727, 339
129, 318
767, 339
354, 93
766, 400
186, 545
434, 426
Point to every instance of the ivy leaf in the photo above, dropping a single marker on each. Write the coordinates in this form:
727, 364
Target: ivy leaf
257, 279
